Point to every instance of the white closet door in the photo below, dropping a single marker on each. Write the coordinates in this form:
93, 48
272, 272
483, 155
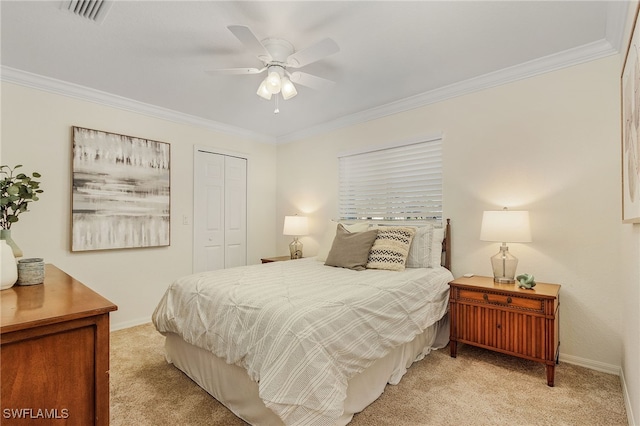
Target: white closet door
208, 215
220, 211
235, 212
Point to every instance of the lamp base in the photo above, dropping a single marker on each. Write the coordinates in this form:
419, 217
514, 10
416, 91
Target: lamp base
504, 266
295, 248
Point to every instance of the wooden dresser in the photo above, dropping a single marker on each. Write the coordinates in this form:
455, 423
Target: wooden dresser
54, 353
507, 319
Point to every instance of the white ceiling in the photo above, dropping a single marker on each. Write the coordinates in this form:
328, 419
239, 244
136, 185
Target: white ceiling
394, 55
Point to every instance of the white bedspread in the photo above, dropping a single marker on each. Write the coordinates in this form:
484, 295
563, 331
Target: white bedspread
302, 329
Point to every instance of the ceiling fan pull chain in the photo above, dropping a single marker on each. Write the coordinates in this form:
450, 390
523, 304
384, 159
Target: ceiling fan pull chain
277, 110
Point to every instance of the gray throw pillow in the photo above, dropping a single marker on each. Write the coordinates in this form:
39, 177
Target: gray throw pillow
351, 250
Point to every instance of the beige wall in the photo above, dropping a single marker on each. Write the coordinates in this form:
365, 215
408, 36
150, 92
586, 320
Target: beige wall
548, 144
36, 132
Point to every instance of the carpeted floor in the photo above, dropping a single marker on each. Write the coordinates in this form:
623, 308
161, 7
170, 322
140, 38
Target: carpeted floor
478, 388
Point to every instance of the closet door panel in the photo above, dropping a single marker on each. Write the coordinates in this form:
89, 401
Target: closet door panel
235, 212
208, 222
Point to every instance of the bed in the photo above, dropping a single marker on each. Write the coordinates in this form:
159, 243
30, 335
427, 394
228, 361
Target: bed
304, 343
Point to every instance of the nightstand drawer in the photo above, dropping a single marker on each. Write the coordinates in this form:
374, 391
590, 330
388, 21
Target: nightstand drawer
501, 299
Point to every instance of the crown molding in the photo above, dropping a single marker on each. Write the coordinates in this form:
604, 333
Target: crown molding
564, 59
72, 90
612, 44
616, 21
567, 58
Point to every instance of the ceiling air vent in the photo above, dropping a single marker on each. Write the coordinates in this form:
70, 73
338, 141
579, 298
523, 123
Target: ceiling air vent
93, 10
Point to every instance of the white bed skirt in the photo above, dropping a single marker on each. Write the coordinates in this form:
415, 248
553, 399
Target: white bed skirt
231, 385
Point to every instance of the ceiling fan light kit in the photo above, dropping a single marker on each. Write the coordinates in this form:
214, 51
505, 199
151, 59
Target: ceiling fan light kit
276, 82
263, 91
277, 55
287, 88
273, 81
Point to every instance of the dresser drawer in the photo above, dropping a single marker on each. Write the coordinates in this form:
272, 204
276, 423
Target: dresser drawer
501, 299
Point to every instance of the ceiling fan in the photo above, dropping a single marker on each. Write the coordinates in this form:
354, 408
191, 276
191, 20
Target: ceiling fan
279, 58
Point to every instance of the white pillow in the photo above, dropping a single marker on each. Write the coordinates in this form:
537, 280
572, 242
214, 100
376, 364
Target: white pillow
420, 250
330, 234
436, 247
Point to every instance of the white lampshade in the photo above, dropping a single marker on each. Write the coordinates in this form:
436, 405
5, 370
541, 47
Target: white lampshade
295, 225
273, 82
288, 89
509, 226
263, 92
505, 226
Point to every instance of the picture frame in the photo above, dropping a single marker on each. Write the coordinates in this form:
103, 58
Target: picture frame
121, 191
630, 120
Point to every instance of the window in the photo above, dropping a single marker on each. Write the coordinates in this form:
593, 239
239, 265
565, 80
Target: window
400, 183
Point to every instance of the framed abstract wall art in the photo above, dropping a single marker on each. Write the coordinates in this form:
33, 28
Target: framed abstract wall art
120, 191
630, 86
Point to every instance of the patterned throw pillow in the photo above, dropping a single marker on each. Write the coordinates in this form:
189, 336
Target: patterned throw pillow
391, 248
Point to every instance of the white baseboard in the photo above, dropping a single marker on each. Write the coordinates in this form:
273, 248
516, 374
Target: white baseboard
593, 365
605, 368
627, 400
128, 324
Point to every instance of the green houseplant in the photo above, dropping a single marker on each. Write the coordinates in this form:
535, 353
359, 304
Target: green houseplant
17, 190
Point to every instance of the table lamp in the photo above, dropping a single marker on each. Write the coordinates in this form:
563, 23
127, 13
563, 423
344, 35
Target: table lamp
505, 226
296, 226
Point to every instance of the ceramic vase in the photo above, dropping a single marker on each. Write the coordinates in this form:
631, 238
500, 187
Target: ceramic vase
5, 234
8, 266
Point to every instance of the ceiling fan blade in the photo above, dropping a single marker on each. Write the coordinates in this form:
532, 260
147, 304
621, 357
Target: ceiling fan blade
235, 71
313, 53
311, 81
250, 41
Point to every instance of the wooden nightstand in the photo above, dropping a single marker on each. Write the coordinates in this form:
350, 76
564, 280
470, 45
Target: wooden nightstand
275, 259
507, 319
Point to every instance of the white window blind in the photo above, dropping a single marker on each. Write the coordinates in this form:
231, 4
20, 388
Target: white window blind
401, 183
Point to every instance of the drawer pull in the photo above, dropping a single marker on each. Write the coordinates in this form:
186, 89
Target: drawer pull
485, 296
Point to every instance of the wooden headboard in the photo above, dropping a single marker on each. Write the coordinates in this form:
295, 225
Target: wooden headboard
446, 245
